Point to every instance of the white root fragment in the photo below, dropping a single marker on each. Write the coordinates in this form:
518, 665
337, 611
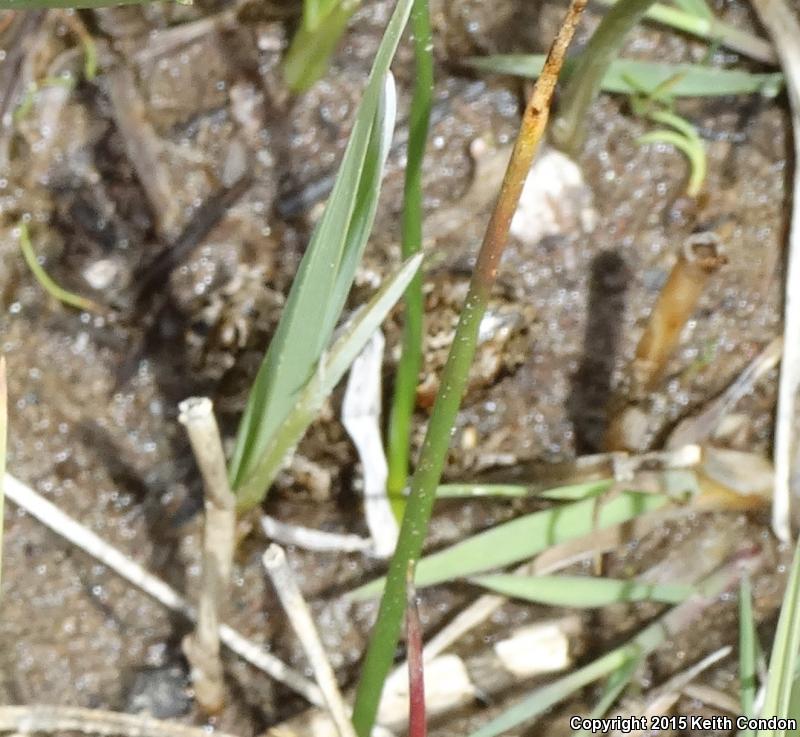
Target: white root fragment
219, 526
80, 536
311, 539
361, 413
299, 615
781, 23
36, 718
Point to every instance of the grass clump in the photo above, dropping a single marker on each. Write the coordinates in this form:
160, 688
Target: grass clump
323, 281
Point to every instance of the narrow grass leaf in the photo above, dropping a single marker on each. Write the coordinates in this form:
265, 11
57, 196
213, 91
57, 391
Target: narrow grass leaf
617, 682
581, 591
711, 29
748, 638
571, 492
697, 8
404, 397
691, 80
351, 341
316, 39
692, 148
45, 280
524, 537
640, 646
328, 267
784, 659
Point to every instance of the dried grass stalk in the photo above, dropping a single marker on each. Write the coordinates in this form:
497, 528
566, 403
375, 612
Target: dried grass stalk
700, 257
202, 648
299, 615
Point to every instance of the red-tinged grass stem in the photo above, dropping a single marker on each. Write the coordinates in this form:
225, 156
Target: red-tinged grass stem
386, 633
417, 718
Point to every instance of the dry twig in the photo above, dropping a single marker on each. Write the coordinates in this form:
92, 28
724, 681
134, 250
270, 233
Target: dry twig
202, 647
32, 719
63, 525
299, 615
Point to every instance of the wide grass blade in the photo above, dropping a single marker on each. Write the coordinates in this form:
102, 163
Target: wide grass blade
331, 369
581, 591
524, 537
328, 267
785, 649
629, 76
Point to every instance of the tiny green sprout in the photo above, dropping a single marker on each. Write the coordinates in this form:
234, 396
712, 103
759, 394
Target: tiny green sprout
45, 280
656, 105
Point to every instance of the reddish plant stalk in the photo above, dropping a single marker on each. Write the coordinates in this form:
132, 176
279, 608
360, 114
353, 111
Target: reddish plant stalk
380, 654
417, 718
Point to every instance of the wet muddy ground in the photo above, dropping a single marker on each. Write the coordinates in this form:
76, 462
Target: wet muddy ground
110, 172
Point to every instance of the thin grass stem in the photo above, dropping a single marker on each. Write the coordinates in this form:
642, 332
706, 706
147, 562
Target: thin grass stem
46, 281
380, 653
404, 398
569, 127
710, 29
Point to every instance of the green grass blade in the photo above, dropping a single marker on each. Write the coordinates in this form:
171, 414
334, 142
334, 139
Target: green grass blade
581, 591
333, 366
45, 280
697, 8
542, 699
571, 492
311, 49
711, 29
408, 367
748, 649
3, 440
694, 80
639, 647
328, 266
692, 148
617, 682
524, 537
784, 659
367, 199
